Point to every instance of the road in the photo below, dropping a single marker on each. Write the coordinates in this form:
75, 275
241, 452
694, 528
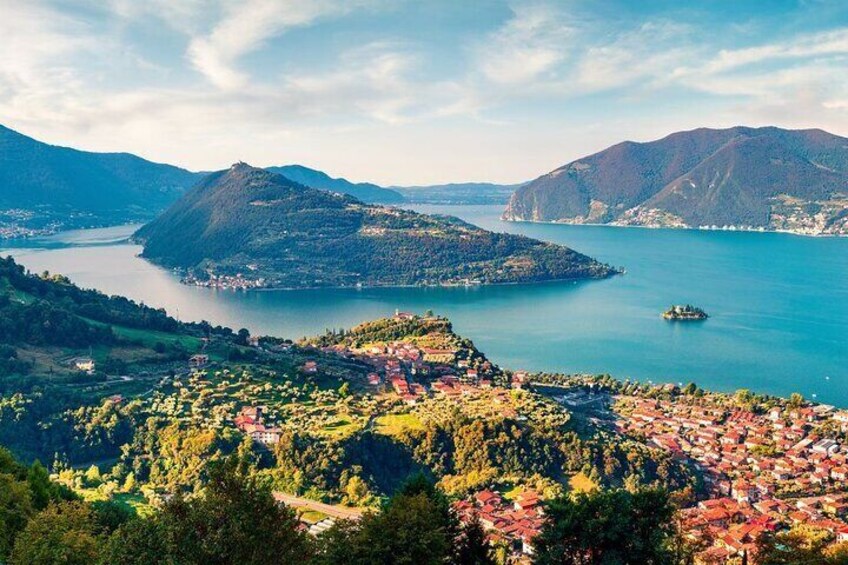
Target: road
339, 512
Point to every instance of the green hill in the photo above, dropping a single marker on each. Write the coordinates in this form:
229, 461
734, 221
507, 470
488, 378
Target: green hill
102, 186
252, 222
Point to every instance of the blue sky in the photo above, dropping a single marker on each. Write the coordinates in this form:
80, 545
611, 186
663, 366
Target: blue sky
402, 92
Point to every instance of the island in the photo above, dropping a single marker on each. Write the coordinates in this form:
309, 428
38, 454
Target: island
684, 312
247, 228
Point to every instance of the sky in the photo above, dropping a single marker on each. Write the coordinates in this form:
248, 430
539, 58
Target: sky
412, 92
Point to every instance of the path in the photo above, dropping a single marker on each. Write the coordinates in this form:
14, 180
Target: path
339, 512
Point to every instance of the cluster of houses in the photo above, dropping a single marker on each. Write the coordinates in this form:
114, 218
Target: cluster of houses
234, 282
763, 472
512, 524
252, 422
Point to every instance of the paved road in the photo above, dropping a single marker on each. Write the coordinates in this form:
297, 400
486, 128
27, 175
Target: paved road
340, 512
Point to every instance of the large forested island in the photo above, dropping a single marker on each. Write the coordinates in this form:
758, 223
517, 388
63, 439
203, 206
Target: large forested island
248, 224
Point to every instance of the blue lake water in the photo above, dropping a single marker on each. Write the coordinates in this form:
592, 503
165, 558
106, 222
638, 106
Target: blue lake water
779, 304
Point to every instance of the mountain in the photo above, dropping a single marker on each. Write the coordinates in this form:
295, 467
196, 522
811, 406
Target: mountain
364, 191
106, 186
452, 193
753, 178
458, 193
254, 224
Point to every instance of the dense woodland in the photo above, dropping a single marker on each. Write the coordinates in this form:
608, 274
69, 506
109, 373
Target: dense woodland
234, 519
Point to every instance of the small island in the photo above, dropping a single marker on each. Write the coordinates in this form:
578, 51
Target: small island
686, 312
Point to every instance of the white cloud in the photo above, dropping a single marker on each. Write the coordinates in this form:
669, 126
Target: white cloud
810, 45
649, 54
245, 26
90, 77
533, 42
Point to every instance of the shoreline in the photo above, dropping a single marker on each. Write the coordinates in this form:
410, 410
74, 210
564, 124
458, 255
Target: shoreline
679, 228
394, 286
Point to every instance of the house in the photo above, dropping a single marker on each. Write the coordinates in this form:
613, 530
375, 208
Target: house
85, 364
527, 500
266, 436
198, 361
827, 446
310, 367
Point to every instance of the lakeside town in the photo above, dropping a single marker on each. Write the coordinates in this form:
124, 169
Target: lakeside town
763, 471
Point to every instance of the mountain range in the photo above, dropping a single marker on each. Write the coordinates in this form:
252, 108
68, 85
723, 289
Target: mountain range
105, 186
73, 188
750, 178
250, 223
365, 191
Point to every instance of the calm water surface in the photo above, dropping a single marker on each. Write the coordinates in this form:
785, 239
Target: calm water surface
779, 304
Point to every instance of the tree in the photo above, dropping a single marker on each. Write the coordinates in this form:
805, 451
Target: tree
356, 490
799, 546
129, 482
796, 400
40, 486
15, 510
415, 527
109, 516
235, 521
472, 547
243, 336
62, 534
344, 389
407, 532
92, 476
138, 542
607, 527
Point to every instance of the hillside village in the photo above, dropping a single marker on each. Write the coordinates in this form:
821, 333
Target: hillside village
762, 464
782, 469
771, 471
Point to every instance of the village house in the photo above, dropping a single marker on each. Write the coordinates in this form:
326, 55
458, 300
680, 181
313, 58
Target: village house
198, 361
85, 364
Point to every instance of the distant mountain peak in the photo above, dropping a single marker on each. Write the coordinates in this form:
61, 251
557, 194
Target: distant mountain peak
742, 177
314, 178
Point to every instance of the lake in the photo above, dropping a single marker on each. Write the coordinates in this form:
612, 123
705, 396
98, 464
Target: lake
778, 304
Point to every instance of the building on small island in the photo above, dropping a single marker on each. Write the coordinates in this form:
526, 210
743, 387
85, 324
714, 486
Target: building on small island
684, 312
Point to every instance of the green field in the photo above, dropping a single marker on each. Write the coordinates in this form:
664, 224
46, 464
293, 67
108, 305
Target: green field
395, 424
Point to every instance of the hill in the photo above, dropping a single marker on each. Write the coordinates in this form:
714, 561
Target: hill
97, 187
449, 194
750, 178
47, 324
458, 193
249, 223
312, 178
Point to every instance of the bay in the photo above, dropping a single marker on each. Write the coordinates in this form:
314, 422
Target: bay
778, 303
